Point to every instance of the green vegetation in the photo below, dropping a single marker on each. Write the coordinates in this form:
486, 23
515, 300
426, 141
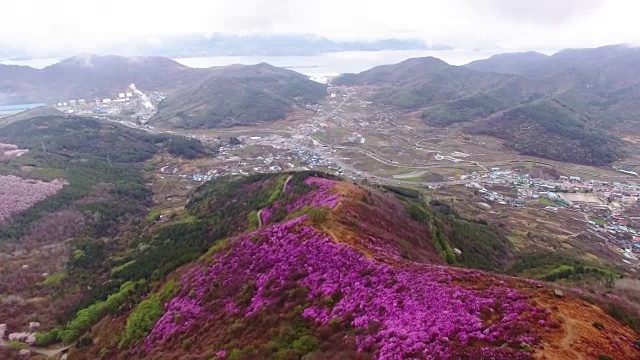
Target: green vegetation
321, 136
16, 345
53, 279
88, 316
481, 246
153, 215
403, 191
442, 246
277, 190
546, 202
144, 316
599, 221
48, 338
305, 344
119, 268
252, 220
553, 266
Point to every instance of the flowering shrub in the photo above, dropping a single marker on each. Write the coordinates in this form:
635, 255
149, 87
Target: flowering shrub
397, 311
180, 314
29, 338
320, 196
17, 194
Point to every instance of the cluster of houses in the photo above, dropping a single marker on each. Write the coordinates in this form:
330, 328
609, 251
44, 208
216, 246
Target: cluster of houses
605, 201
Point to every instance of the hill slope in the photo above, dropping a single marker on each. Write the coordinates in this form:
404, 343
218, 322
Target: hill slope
35, 112
84, 152
537, 128
87, 76
77, 194
239, 95
331, 270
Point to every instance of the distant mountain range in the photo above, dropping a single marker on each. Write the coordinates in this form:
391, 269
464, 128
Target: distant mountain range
87, 76
213, 97
576, 105
572, 106
193, 45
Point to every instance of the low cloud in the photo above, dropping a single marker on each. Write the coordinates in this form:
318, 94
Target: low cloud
43, 26
538, 11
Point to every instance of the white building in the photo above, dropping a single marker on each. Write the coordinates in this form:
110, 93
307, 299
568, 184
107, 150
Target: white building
120, 95
106, 101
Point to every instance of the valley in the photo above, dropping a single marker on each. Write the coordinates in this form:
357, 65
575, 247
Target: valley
351, 136
258, 215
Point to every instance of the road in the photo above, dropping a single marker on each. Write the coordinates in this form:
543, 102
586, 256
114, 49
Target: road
49, 352
335, 110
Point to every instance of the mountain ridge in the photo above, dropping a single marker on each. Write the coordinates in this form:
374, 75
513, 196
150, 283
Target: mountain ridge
329, 275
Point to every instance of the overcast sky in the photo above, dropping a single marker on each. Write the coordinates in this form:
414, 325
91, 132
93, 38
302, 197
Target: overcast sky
507, 24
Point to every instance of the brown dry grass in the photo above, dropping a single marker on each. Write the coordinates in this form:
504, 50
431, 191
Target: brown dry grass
577, 338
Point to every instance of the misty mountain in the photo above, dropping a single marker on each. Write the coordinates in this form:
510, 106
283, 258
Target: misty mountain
602, 83
403, 71
87, 76
239, 95
421, 82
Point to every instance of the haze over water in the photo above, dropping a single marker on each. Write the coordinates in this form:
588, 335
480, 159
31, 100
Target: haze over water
319, 65
343, 62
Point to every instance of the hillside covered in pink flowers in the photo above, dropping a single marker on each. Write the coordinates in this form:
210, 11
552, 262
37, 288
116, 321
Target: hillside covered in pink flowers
333, 273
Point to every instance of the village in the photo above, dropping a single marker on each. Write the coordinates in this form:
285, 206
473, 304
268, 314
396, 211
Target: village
607, 209
130, 104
